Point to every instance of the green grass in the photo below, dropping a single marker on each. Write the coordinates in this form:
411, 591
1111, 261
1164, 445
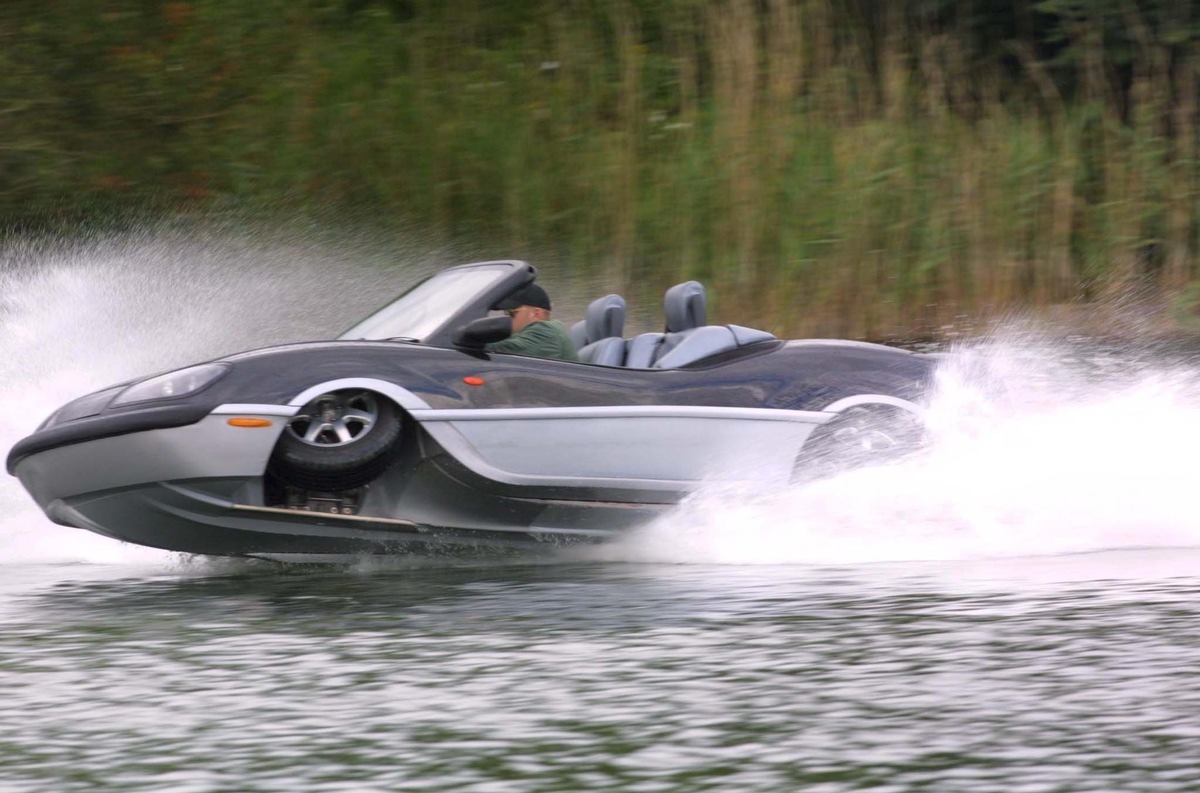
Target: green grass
823, 175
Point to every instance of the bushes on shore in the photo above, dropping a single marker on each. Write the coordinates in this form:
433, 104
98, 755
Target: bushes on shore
837, 167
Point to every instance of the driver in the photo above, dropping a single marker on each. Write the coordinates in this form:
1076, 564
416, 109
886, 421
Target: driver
534, 333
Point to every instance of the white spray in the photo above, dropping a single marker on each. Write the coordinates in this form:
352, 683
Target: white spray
1038, 449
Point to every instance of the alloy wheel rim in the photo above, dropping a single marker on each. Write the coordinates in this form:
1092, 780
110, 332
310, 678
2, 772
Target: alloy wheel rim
336, 419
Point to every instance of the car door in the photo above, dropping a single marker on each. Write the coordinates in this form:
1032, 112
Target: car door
555, 423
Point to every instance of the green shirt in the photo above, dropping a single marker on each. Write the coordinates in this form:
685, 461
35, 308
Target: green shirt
542, 339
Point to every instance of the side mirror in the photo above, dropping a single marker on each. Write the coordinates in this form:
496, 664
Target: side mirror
482, 332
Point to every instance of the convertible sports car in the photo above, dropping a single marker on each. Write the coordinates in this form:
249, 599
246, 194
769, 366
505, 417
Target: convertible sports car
406, 435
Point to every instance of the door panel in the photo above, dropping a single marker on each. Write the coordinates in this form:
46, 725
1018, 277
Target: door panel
632, 446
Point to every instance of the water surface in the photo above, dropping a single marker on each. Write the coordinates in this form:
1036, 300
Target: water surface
1015, 610
1022, 675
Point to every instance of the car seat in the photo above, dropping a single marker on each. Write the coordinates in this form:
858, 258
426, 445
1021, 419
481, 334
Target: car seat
604, 324
578, 334
687, 339
684, 308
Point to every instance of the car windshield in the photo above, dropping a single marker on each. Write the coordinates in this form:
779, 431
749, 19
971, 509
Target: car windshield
428, 305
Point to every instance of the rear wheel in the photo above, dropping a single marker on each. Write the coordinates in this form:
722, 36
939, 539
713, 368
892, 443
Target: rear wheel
860, 437
338, 441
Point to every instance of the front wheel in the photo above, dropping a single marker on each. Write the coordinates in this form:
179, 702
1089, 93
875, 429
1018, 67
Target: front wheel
860, 437
338, 441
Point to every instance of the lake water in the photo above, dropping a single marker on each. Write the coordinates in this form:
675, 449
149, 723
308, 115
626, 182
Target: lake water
1016, 610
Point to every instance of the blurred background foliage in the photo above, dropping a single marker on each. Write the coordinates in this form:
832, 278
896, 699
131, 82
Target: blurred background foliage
829, 167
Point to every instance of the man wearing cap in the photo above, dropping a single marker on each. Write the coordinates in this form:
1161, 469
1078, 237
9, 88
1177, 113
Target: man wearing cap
534, 333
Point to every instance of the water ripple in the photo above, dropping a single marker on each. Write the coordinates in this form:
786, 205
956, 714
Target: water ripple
604, 677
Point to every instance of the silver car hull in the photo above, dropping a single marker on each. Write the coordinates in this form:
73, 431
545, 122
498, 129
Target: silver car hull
462, 482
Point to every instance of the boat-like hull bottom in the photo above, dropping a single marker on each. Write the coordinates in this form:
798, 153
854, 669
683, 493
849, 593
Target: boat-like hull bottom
187, 519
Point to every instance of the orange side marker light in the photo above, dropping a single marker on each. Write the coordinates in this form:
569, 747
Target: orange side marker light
248, 422
473, 380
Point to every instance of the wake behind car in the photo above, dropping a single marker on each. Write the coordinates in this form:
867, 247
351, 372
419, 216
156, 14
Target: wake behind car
407, 435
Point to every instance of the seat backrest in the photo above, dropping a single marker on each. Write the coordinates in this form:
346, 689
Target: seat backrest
578, 334
604, 324
641, 350
685, 306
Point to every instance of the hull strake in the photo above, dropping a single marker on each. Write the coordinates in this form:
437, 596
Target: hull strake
188, 520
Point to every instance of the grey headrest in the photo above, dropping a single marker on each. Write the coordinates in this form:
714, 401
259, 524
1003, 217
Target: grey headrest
684, 306
605, 318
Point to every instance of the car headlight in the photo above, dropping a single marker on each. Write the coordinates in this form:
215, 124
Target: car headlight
172, 384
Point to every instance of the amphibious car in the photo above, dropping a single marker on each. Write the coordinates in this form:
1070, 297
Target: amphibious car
407, 435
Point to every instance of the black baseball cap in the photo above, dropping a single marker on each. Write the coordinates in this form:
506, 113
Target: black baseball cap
531, 295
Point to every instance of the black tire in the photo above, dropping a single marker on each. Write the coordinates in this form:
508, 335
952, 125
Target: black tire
339, 441
860, 437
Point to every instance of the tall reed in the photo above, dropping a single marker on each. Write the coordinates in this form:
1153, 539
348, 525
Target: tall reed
831, 167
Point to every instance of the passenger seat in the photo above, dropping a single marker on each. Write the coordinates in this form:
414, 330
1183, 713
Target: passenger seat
578, 334
685, 308
603, 327
688, 339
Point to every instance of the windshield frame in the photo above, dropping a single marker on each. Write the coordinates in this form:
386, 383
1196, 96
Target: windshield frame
470, 305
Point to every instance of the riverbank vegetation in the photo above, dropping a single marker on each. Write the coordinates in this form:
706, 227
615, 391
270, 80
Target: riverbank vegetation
832, 167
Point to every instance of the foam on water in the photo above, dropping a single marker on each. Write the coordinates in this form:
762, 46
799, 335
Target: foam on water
1037, 449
